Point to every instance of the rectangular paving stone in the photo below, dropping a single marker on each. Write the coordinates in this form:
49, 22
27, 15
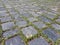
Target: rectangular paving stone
8, 25
51, 34
45, 19
12, 11
56, 26
29, 31
2, 9
29, 9
21, 23
8, 6
14, 41
32, 19
57, 20
5, 19
50, 15
1, 5
20, 10
15, 16
4, 14
26, 14
34, 14
39, 25
18, 18
10, 33
38, 41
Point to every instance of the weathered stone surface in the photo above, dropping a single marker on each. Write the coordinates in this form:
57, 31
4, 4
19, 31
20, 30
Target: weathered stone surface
14, 41
26, 14
29, 31
51, 34
21, 23
5, 19
56, 26
50, 15
2, 9
3, 14
8, 25
32, 19
45, 19
40, 25
10, 33
23, 15
38, 41
58, 20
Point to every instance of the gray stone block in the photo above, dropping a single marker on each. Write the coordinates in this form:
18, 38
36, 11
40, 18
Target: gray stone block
51, 34
32, 19
10, 33
38, 41
5, 19
29, 31
2, 9
57, 20
21, 23
50, 15
4, 14
45, 19
39, 25
56, 26
8, 25
14, 41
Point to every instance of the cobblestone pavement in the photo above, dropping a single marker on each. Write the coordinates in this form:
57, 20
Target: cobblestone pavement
29, 22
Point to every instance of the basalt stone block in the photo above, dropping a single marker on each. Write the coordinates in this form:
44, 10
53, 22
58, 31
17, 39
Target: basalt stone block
2, 9
51, 15
18, 18
21, 23
38, 41
34, 14
14, 41
39, 25
29, 31
12, 11
51, 34
57, 20
8, 6
4, 14
10, 33
32, 19
56, 26
5, 19
26, 15
45, 19
8, 25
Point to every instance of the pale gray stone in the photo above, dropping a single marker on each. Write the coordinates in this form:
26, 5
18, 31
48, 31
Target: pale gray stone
40, 25
56, 26
38, 41
14, 41
32, 19
45, 19
4, 14
21, 23
50, 15
29, 31
5, 19
51, 34
10, 33
8, 25
2, 9
58, 20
